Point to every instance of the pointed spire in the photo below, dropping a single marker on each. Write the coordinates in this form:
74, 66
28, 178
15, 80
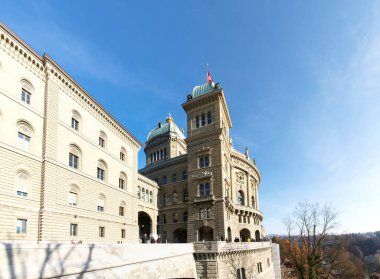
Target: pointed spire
246, 153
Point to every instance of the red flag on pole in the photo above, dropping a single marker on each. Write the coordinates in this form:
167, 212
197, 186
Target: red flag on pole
209, 78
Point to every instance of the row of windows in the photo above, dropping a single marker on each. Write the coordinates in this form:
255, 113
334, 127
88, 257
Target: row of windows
75, 123
185, 197
203, 119
158, 155
241, 201
21, 228
100, 207
101, 171
174, 178
174, 217
102, 140
145, 194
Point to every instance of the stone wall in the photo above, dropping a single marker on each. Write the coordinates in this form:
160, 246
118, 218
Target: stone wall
31, 260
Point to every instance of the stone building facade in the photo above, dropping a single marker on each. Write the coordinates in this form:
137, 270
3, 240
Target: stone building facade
68, 168
208, 190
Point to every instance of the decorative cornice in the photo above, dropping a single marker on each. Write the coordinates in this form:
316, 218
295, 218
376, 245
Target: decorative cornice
146, 180
241, 157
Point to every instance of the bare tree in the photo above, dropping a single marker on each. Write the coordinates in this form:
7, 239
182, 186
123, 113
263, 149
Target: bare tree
307, 230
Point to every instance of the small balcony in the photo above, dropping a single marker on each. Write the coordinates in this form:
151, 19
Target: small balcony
208, 198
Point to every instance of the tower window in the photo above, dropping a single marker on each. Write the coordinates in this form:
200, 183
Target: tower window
204, 189
209, 118
203, 120
197, 121
204, 161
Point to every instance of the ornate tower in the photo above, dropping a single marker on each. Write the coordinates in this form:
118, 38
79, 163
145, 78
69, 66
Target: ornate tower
208, 145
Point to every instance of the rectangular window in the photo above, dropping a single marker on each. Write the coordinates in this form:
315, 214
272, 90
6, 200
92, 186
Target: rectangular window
151, 197
243, 273
164, 218
73, 161
73, 229
164, 180
21, 226
197, 121
184, 175
204, 161
100, 208
209, 118
121, 211
185, 216
174, 178
100, 174
121, 183
25, 96
122, 156
101, 142
122, 233
74, 124
203, 119
72, 199
102, 231
22, 194
23, 141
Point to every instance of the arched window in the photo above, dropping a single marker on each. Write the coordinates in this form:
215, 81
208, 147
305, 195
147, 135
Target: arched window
122, 208
101, 203
185, 216
22, 183
25, 132
102, 170
174, 177
151, 157
175, 197
240, 197
75, 120
164, 180
122, 181
161, 154
74, 156
123, 154
253, 202
146, 195
209, 118
175, 217
165, 152
73, 195
102, 139
150, 197
26, 91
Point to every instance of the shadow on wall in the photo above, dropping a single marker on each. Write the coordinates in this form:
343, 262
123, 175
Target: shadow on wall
48, 260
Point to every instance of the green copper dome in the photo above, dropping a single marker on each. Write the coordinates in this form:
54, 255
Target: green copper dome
165, 128
204, 89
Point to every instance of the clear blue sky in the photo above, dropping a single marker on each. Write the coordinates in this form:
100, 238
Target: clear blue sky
302, 81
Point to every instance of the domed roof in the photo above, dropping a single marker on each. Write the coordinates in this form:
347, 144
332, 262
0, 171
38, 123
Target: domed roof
168, 127
203, 89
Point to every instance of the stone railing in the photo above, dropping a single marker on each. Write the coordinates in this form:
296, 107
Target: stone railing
221, 246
